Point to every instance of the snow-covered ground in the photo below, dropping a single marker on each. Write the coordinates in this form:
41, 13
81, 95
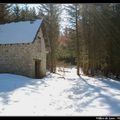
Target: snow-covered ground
61, 94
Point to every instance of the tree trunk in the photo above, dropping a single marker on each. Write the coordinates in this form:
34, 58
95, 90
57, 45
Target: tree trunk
77, 44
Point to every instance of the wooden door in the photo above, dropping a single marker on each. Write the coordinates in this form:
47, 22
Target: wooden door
37, 68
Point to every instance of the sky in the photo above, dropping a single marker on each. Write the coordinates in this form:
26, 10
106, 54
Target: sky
64, 20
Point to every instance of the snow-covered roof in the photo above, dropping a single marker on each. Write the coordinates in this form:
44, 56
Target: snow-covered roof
19, 32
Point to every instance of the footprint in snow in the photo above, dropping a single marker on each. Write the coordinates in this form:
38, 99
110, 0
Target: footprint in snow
3, 109
15, 101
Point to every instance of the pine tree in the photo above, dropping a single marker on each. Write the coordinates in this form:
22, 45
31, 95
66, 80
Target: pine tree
16, 12
50, 15
4, 12
33, 14
73, 11
25, 13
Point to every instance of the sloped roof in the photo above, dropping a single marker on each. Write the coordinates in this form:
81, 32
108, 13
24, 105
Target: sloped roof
19, 32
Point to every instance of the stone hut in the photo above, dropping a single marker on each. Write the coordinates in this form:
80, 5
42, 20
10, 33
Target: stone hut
22, 48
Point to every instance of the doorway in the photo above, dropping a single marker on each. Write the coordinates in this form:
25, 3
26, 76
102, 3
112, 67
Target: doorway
37, 68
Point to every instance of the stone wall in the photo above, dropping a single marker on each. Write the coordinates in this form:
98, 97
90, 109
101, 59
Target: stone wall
20, 58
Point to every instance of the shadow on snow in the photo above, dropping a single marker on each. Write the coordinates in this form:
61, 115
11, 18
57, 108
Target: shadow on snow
83, 94
9, 83
111, 83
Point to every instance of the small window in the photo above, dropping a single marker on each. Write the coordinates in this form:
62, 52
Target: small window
39, 37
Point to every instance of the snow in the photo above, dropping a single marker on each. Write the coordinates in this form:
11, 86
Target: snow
19, 32
60, 94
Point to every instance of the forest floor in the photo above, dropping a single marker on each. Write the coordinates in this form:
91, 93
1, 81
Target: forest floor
60, 94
